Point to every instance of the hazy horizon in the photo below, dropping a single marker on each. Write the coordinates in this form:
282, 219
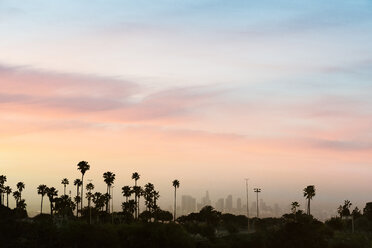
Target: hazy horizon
206, 92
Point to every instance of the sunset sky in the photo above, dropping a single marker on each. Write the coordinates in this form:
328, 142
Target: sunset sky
206, 91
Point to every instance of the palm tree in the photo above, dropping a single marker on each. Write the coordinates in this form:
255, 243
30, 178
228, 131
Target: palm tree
20, 187
65, 182
127, 192
90, 187
42, 190
77, 183
135, 177
294, 207
17, 197
8, 191
109, 179
309, 193
83, 167
176, 184
2, 182
51, 193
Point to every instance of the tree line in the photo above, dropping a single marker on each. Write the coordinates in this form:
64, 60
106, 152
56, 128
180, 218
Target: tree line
99, 205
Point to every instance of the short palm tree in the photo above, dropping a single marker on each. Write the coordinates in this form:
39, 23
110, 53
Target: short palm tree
42, 190
89, 196
127, 192
135, 177
109, 179
17, 197
51, 193
83, 167
20, 187
309, 193
8, 191
65, 182
77, 183
176, 184
294, 206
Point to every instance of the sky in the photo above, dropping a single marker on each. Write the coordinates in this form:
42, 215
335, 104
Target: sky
208, 92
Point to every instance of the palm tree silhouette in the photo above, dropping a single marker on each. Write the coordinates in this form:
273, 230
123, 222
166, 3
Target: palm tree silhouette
20, 187
51, 193
77, 183
176, 184
294, 206
8, 191
138, 191
42, 190
89, 188
83, 167
127, 192
309, 193
109, 179
17, 197
65, 182
2, 182
135, 177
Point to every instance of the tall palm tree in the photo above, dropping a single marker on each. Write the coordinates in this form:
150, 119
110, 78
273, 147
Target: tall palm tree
135, 177
83, 167
294, 206
51, 193
2, 182
20, 187
176, 184
65, 182
8, 191
42, 190
127, 192
77, 183
309, 193
109, 179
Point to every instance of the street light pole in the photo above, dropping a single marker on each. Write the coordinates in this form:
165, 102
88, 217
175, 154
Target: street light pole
257, 190
246, 189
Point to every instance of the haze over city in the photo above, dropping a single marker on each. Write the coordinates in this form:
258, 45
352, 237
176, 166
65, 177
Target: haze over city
203, 91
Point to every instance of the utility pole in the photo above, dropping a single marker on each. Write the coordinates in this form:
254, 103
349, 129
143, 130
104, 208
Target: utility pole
246, 189
257, 190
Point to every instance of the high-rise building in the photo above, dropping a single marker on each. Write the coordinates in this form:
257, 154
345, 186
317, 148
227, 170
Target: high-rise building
205, 201
220, 205
188, 204
239, 206
229, 204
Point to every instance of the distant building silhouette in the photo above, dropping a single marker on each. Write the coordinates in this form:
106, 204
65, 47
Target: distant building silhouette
220, 205
205, 201
229, 204
188, 204
239, 206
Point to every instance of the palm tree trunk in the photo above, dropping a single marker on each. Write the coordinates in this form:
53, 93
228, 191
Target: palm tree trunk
7, 200
308, 207
135, 199
51, 207
107, 210
77, 204
64, 189
175, 204
90, 212
138, 206
41, 207
82, 189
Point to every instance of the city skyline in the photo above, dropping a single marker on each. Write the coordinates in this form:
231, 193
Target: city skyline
206, 92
